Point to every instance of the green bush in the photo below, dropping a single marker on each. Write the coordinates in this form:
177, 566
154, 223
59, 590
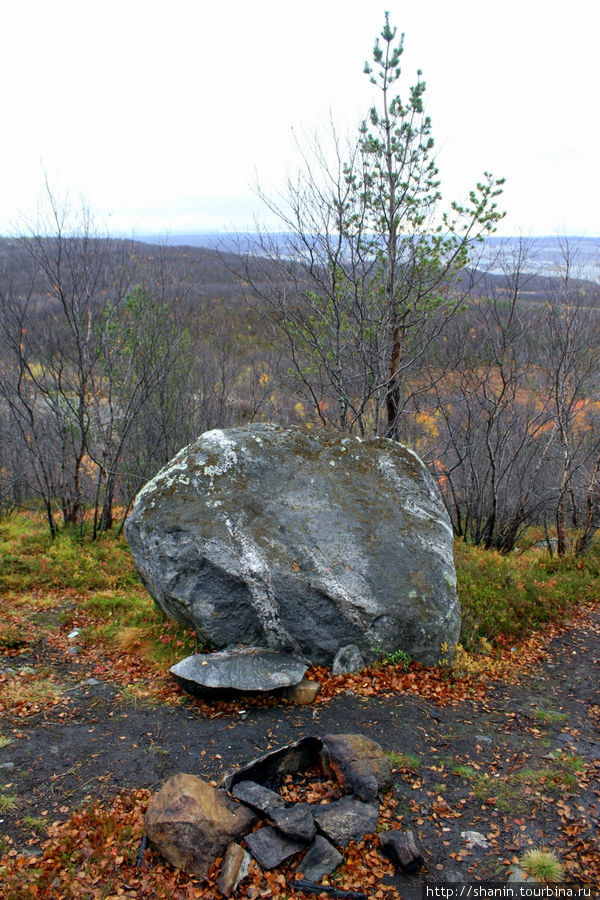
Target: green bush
507, 597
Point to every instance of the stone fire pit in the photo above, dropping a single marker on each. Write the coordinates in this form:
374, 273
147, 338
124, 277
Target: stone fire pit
191, 823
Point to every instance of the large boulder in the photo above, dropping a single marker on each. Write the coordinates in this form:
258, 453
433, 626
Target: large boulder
299, 540
191, 823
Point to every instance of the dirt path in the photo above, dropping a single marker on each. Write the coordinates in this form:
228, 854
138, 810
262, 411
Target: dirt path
520, 768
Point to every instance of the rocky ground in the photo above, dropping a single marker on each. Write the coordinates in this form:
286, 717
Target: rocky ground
518, 765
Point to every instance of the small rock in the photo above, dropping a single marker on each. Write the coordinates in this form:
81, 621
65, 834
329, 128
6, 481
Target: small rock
296, 822
519, 876
320, 860
358, 763
348, 659
270, 848
256, 796
91, 681
7, 765
346, 820
304, 692
453, 876
483, 739
475, 839
402, 849
234, 869
32, 852
73, 651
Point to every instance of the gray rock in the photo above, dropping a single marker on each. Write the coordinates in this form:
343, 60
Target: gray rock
453, 876
402, 849
32, 852
348, 659
365, 787
239, 669
296, 822
270, 848
320, 860
346, 820
475, 840
299, 540
259, 798
518, 876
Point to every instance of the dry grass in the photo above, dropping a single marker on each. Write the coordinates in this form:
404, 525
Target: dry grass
32, 690
133, 639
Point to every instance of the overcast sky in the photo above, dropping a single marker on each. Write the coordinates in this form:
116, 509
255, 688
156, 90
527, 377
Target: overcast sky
163, 115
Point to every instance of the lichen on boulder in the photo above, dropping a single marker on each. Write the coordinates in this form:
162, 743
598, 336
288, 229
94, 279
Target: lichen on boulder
299, 540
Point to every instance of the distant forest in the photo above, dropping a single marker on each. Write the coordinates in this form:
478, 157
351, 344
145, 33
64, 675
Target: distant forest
116, 353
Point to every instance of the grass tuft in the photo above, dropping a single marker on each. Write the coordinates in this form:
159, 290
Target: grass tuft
8, 802
550, 717
409, 761
543, 865
35, 824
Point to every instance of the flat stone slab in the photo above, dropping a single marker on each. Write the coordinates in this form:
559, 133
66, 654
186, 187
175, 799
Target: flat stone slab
270, 848
321, 859
346, 820
247, 669
259, 798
